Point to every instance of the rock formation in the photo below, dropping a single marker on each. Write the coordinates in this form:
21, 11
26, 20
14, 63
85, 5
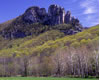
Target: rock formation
68, 17
22, 26
35, 14
55, 15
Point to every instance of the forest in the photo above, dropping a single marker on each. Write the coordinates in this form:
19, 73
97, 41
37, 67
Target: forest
51, 53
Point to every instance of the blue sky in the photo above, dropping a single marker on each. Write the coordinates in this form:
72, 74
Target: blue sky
87, 11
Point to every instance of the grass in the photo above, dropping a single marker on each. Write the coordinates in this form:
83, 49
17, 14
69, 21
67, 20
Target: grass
44, 78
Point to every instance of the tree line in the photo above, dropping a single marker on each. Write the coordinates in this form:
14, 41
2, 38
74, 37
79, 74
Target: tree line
67, 61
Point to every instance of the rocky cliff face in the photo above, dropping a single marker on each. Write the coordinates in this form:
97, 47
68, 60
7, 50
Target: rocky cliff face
35, 14
68, 17
55, 15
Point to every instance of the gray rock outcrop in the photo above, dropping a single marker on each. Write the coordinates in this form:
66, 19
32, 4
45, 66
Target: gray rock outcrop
68, 17
35, 14
55, 15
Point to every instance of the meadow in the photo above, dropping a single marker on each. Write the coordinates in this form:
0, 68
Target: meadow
44, 78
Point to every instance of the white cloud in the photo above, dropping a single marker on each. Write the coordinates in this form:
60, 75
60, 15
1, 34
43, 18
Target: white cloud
89, 6
90, 9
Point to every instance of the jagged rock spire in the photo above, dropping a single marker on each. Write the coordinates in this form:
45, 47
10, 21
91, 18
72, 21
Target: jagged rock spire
55, 15
68, 17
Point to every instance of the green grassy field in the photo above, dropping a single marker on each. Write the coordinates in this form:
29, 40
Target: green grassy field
43, 78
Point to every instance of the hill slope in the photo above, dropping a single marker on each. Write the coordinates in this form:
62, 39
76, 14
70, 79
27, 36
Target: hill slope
54, 51
51, 39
